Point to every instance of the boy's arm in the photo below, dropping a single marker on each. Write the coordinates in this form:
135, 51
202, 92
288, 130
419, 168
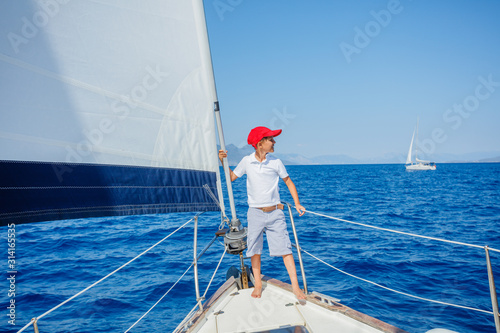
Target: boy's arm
223, 155
295, 195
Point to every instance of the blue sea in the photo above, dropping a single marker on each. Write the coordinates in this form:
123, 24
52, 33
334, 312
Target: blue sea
461, 202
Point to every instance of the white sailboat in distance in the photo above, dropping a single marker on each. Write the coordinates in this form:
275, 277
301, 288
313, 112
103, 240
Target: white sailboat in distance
418, 164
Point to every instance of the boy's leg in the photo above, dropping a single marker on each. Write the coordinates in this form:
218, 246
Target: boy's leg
256, 219
292, 272
257, 290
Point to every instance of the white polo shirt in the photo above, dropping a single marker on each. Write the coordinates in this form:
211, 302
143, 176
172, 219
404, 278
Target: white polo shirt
262, 179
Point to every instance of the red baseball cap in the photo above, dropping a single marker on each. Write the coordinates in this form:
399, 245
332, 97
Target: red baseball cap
260, 132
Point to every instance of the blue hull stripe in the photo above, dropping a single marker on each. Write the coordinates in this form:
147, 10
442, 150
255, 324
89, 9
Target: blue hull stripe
42, 191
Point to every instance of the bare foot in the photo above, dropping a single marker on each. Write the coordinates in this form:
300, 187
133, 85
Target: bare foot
257, 291
299, 293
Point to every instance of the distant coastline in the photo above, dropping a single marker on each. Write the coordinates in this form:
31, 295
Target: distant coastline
235, 154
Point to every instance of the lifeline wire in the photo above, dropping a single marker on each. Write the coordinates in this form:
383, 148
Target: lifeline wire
216, 269
145, 314
404, 233
396, 291
188, 317
104, 278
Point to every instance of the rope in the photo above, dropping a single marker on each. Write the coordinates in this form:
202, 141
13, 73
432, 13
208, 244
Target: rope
212, 195
214, 198
27, 325
145, 314
104, 278
188, 317
404, 233
396, 291
216, 269
213, 275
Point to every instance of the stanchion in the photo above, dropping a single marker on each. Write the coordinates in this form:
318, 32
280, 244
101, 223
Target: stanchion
195, 263
298, 247
493, 291
35, 325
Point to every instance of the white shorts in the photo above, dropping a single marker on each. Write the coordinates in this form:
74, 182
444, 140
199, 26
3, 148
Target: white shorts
274, 224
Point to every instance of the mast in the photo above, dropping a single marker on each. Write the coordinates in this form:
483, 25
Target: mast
208, 66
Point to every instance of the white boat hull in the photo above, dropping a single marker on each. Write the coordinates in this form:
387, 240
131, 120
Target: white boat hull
421, 166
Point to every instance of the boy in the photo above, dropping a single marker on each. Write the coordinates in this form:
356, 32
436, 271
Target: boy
265, 209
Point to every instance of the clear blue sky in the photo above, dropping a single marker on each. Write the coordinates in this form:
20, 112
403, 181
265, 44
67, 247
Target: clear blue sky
351, 77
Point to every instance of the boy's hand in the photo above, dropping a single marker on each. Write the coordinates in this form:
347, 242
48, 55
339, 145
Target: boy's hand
300, 209
222, 155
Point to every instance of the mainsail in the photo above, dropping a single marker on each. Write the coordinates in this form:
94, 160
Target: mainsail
107, 108
408, 158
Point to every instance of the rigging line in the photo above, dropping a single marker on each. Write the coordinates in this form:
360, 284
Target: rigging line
104, 278
145, 314
212, 195
27, 325
402, 232
216, 269
214, 198
396, 291
187, 318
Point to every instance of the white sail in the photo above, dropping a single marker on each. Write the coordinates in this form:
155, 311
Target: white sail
419, 164
408, 158
107, 83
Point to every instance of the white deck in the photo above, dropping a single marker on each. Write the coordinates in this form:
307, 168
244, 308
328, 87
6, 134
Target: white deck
233, 310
